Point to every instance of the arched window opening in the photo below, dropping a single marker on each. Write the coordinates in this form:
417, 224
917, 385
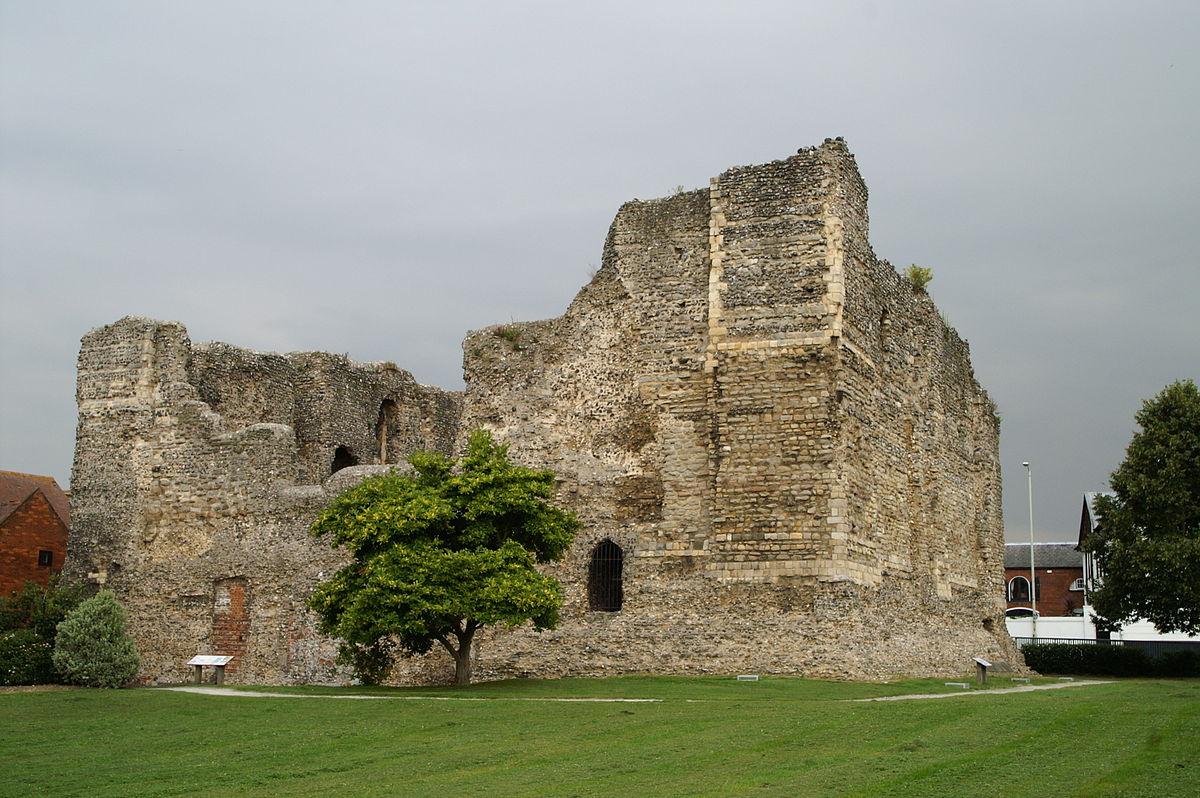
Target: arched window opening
342, 458
387, 413
1018, 588
605, 590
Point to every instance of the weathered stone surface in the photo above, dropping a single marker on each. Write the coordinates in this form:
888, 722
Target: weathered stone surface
197, 472
781, 433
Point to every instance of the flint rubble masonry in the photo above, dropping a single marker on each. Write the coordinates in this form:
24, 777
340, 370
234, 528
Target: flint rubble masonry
780, 432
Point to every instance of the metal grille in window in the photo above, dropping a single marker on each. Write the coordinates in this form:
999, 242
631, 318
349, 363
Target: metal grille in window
605, 592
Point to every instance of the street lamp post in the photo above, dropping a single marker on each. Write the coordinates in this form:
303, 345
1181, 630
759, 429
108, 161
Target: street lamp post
1032, 572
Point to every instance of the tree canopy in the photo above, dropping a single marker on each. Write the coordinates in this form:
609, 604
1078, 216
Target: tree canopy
1147, 539
439, 553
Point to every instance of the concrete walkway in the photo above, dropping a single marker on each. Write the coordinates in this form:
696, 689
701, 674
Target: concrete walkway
1027, 688
201, 689
227, 691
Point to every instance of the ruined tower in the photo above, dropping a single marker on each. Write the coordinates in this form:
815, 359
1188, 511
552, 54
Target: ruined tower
777, 446
779, 433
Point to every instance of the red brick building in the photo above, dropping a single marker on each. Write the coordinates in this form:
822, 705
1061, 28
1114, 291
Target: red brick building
35, 518
1058, 575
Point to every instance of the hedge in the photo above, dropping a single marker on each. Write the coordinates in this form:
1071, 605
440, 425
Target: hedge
1089, 659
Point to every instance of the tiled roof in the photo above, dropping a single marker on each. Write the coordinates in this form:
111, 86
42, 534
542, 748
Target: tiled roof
1045, 555
16, 488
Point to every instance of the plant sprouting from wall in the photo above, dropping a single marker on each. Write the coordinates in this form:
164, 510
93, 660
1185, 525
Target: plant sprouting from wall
919, 276
509, 332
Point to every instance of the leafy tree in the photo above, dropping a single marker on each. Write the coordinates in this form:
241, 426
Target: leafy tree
1147, 540
28, 622
40, 607
92, 647
439, 553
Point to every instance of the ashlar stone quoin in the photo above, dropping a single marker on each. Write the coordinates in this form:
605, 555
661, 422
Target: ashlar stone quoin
778, 448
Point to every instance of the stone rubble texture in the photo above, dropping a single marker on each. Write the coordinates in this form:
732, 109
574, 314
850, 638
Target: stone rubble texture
780, 432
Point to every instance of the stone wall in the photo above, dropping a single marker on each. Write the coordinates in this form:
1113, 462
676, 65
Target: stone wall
780, 433
198, 470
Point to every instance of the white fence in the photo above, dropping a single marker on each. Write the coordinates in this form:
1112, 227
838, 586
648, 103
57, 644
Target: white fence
1081, 627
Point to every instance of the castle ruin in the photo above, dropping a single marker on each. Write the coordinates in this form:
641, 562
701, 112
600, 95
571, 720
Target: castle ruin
778, 449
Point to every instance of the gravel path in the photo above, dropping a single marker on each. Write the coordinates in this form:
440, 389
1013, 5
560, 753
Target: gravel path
227, 691
1028, 688
254, 694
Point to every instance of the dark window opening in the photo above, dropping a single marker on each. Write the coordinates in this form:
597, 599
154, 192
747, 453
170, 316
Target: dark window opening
1018, 588
605, 590
387, 412
45, 559
342, 458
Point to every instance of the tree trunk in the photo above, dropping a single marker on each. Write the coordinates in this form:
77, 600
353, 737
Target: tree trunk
462, 665
462, 657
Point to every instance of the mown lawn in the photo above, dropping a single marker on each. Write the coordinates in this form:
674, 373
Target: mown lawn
705, 737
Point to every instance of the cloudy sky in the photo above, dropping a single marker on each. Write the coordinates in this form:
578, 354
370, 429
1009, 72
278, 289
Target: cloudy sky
377, 178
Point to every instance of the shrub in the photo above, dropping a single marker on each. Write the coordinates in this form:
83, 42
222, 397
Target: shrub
1104, 660
92, 647
1178, 663
28, 622
25, 658
919, 276
40, 608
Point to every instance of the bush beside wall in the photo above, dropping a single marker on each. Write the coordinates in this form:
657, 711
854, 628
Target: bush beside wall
93, 647
25, 658
28, 622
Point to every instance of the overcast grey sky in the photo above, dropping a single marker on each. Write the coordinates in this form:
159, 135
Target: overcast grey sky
377, 178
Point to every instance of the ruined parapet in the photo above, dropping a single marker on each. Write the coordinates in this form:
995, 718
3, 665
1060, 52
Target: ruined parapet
197, 473
780, 433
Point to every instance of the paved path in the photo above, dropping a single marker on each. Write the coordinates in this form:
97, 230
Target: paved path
255, 694
1028, 688
227, 691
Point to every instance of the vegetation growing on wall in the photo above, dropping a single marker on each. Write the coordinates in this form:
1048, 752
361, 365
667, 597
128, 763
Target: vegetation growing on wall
919, 276
509, 332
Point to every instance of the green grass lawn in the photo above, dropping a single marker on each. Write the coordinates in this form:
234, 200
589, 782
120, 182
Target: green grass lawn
780, 736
